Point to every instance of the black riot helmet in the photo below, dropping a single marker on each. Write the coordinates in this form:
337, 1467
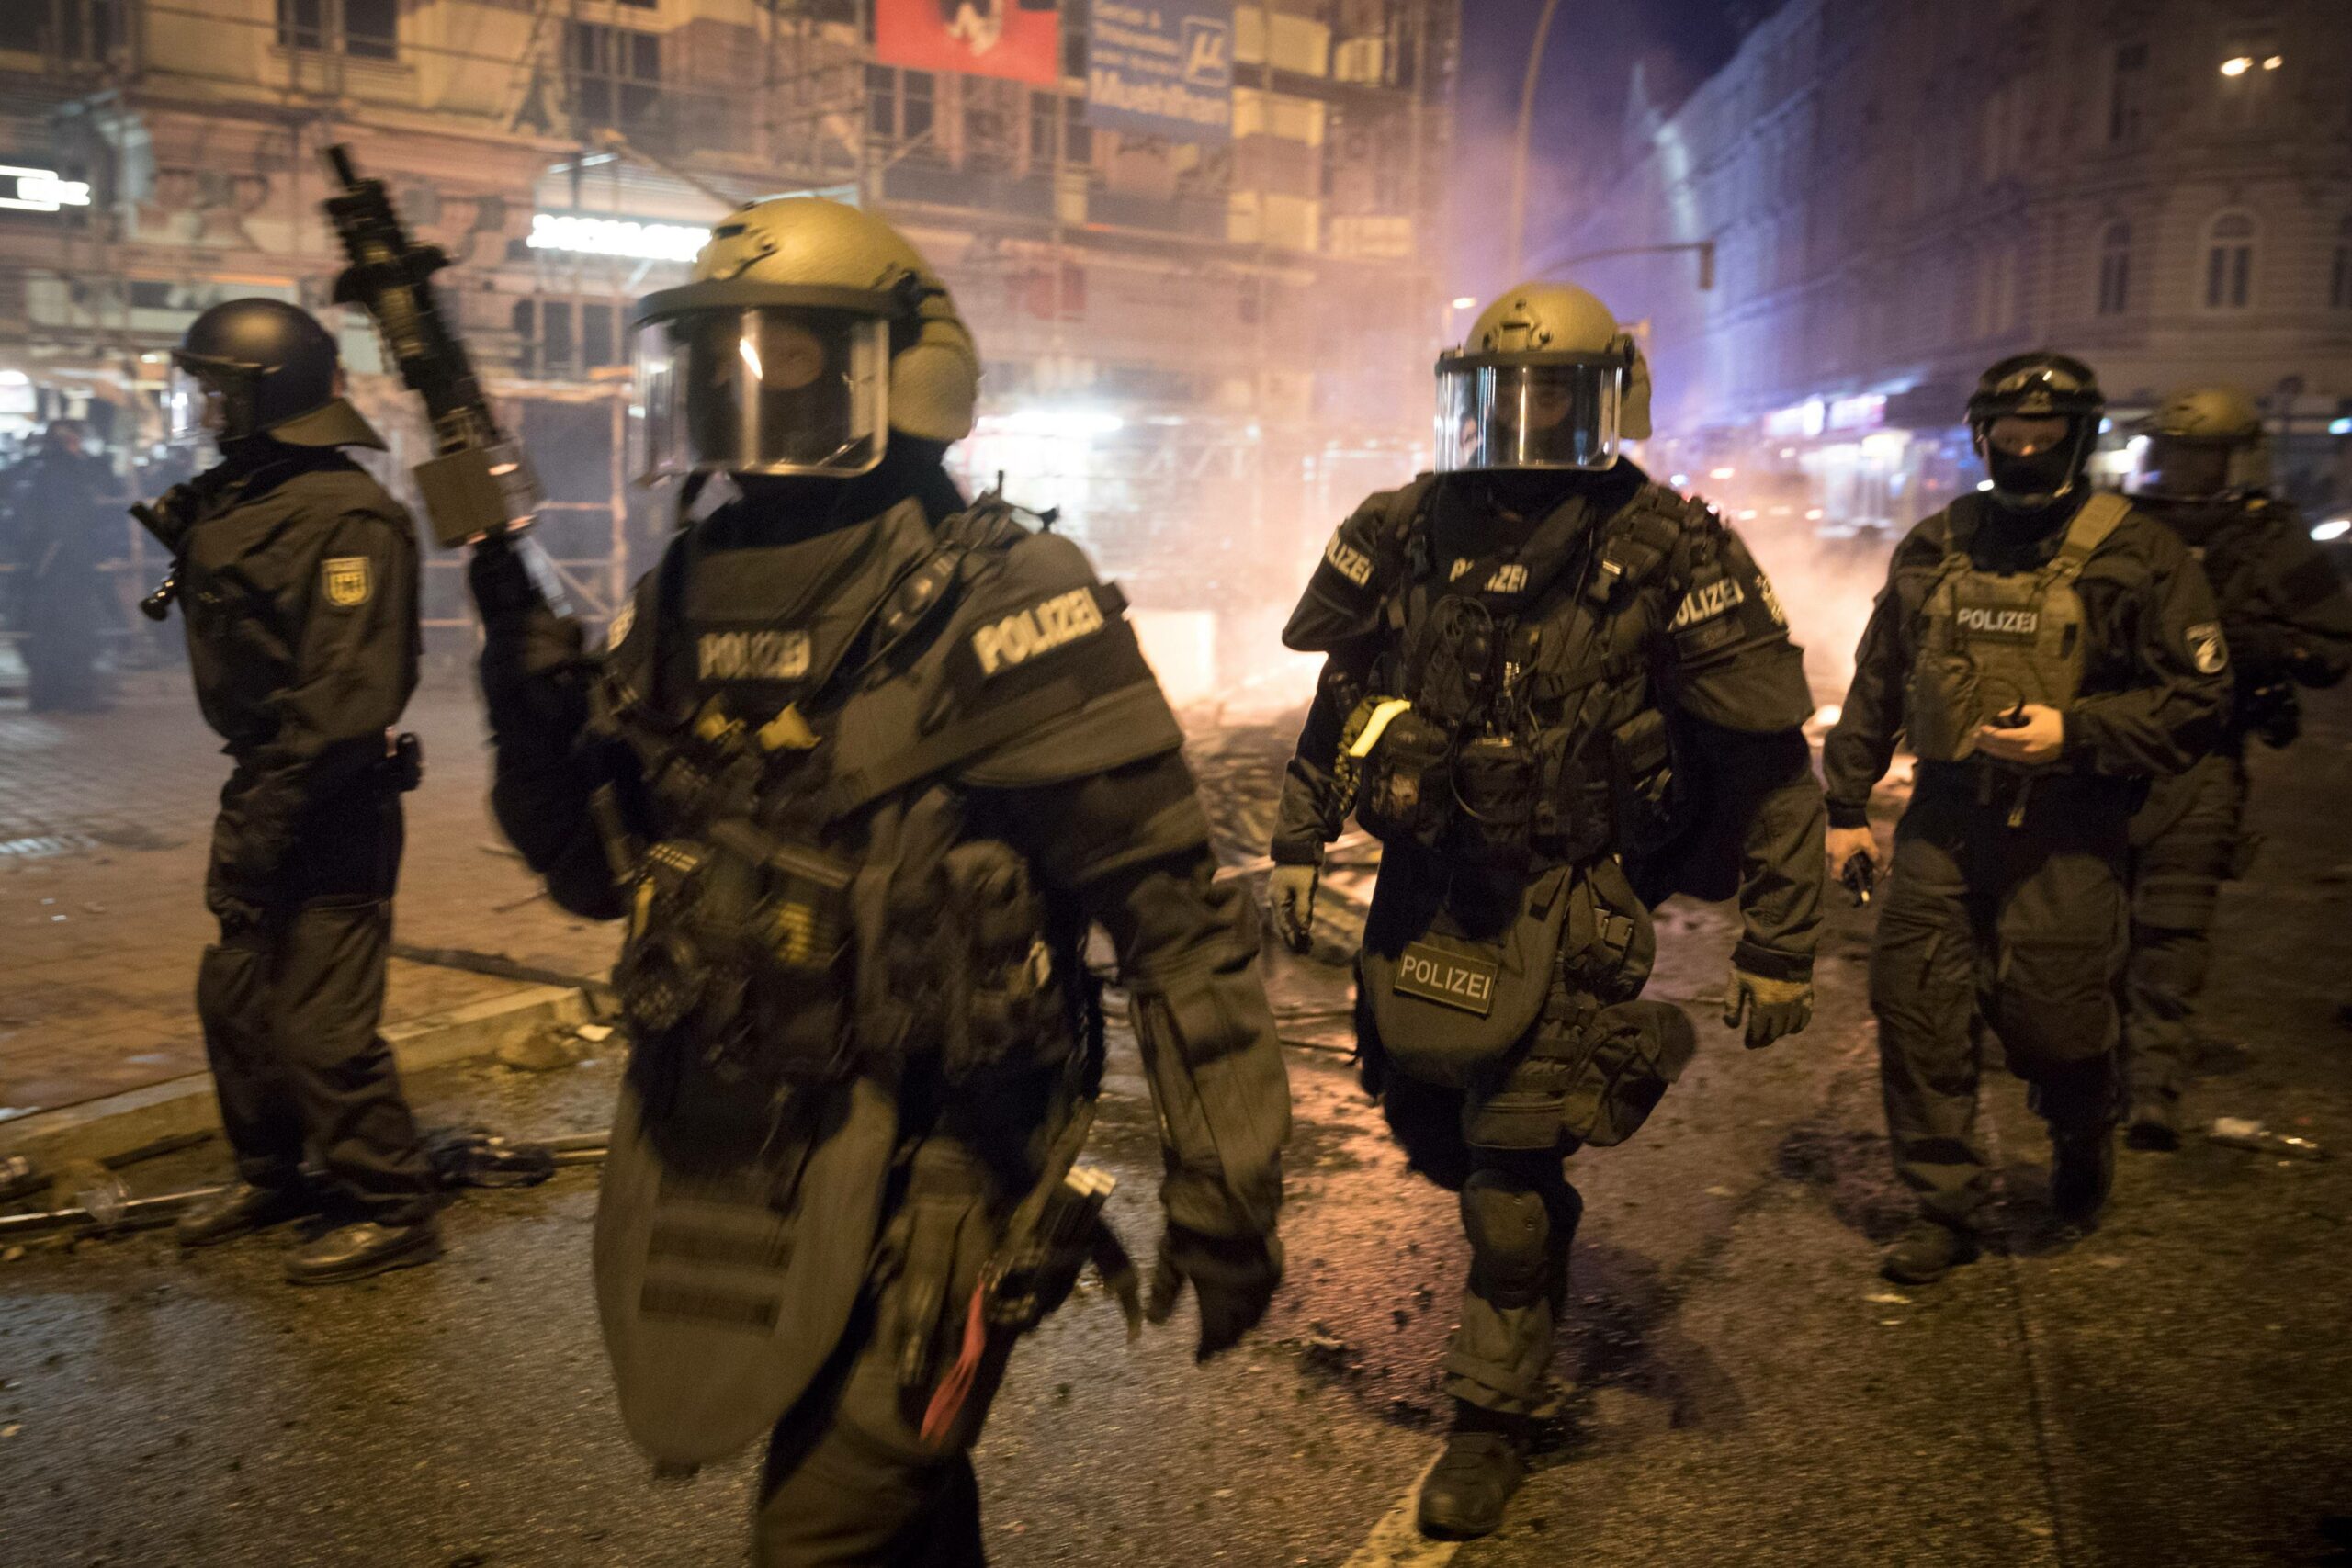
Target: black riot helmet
262, 367
2035, 418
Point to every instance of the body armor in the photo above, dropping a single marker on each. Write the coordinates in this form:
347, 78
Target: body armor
1989, 642
824, 951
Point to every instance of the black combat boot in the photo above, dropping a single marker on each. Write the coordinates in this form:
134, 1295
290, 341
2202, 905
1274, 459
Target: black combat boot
2155, 1121
2082, 1171
240, 1209
1485, 1460
355, 1251
1927, 1251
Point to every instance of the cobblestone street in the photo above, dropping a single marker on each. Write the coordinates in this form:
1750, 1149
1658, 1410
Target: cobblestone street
105, 821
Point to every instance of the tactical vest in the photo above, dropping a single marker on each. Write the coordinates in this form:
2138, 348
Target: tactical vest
1986, 642
818, 908
1526, 739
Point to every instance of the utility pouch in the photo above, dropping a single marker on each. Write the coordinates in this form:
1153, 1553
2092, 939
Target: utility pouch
1632, 1053
1575, 816
404, 762
1449, 1003
970, 941
1494, 789
1408, 789
1644, 792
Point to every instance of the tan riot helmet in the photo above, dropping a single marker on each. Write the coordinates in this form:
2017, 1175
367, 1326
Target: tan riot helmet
1544, 380
810, 330
2201, 444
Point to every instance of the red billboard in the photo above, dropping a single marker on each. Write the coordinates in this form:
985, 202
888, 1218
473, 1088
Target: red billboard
1019, 41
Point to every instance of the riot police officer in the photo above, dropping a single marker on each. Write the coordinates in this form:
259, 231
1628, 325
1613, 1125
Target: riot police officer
297, 574
860, 765
2045, 650
57, 499
2289, 624
1555, 691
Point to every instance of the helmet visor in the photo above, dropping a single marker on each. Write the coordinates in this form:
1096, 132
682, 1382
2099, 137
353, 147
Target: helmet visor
200, 408
2177, 468
762, 389
1527, 416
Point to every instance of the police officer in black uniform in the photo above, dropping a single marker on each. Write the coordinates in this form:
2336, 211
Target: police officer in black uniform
297, 574
2045, 650
57, 500
2287, 622
860, 765
1556, 691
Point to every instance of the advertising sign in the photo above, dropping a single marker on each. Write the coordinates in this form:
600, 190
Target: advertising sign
1019, 41
1162, 68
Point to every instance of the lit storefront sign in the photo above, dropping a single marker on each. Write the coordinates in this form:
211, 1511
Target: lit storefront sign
39, 190
582, 236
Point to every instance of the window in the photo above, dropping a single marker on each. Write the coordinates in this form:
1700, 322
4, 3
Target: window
2127, 94
562, 340
988, 124
77, 30
369, 29
2339, 278
1078, 137
881, 102
2229, 262
917, 105
2115, 270
615, 74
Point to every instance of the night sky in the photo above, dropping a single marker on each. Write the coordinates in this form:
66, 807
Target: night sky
1580, 105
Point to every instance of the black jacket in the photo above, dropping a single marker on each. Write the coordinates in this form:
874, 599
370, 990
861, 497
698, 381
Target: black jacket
299, 582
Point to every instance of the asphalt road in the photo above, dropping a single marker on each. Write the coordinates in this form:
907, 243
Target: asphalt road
2173, 1389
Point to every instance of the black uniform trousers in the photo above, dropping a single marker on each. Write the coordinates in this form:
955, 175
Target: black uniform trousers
2186, 841
2015, 928
290, 997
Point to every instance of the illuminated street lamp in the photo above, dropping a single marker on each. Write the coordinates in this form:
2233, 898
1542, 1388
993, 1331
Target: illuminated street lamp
2237, 65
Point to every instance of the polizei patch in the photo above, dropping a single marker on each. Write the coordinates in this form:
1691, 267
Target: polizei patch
1022, 636
752, 656
1450, 980
1347, 562
2000, 622
1704, 604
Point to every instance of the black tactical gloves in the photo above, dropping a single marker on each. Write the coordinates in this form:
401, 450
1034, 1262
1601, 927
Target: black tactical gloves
1235, 1276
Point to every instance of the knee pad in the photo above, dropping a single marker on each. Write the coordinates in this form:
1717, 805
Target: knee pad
1509, 1229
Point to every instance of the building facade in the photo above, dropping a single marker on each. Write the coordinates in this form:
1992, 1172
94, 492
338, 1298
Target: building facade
1157, 318
1900, 192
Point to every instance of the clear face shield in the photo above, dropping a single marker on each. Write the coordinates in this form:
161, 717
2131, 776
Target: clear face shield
762, 389
2172, 468
1508, 413
200, 408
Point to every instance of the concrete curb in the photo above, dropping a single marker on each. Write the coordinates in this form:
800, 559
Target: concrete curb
97, 1128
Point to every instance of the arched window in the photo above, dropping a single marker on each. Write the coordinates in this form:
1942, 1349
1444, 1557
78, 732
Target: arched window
2229, 262
2339, 276
2115, 269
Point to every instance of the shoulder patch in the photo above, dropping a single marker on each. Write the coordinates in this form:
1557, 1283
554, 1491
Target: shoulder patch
2208, 649
1347, 560
348, 582
1049, 626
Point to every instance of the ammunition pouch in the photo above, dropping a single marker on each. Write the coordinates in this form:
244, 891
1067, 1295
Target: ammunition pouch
1493, 783
1646, 793
735, 984
1406, 794
970, 954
